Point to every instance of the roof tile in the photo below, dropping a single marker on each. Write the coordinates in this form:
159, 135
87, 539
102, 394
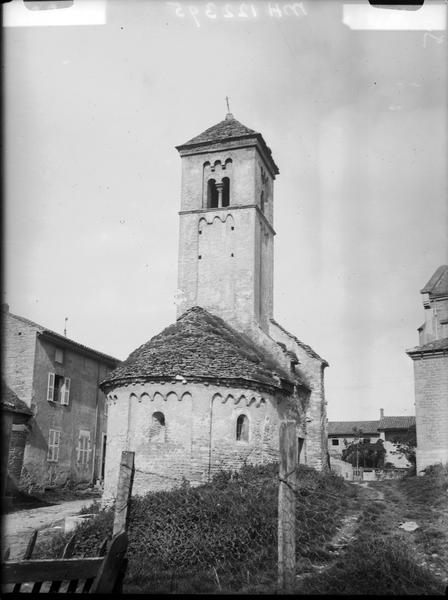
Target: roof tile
200, 345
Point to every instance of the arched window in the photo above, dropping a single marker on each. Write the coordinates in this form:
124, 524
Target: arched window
242, 429
262, 202
212, 194
157, 430
226, 191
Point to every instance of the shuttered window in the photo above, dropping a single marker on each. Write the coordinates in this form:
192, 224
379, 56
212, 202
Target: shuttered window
50, 388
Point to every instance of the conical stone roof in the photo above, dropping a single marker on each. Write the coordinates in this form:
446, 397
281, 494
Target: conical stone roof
200, 347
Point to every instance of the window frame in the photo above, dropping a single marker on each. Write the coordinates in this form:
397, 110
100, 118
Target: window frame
54, 443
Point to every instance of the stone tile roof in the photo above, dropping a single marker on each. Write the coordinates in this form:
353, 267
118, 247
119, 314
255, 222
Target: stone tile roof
305, 347
226, 130
229, 128
396, 423
11, 402
62, 339
437, 286
430, 347
341, 428
201, 346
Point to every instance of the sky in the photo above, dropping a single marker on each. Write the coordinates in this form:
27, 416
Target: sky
355, 118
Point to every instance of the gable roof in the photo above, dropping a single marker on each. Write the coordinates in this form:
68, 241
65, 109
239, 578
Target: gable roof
437, 286
11, 402
202, 346
65, 341
396, 423
341, 428
305, 347
347, 427
228, 129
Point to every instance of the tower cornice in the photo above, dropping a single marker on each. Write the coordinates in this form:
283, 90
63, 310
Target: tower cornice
200, 211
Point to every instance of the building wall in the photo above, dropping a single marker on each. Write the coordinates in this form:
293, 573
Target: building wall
316, 409
19, 343
226, 254
84, 416
27, 360
431, 409
199, 437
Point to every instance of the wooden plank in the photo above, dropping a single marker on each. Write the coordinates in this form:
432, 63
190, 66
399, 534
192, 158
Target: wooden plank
287, 506
69, 547
124, 490
110, 570
50, 570
103, 547
30, 546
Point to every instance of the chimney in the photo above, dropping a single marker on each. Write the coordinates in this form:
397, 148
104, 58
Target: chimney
381, 413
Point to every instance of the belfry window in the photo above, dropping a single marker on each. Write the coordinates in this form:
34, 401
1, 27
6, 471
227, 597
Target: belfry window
242, 429
212, 194
225, 191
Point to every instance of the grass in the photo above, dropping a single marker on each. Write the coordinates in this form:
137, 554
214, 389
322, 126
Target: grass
222, 537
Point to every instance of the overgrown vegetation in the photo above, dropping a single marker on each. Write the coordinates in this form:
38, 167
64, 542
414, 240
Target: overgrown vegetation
218, 536
222, 537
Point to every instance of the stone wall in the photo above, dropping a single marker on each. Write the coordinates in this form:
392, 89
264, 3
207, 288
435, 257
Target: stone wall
431, 409
199, 435
312, 369
19, 343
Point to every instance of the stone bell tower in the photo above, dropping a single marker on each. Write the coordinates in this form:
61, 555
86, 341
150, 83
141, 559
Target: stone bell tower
226, 225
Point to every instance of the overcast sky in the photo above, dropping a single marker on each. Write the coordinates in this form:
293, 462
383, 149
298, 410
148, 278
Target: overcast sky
356, 120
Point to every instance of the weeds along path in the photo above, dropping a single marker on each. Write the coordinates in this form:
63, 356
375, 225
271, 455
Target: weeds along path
369, 553
413, 500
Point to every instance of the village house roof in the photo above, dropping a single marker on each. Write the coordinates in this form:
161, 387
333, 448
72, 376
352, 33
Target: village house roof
201, 346
228, 129
341, 428
404, 422
347, 427
12, 403
437, 286
64, 341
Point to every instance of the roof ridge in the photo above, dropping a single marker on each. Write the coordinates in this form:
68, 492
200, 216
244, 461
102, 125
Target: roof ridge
43, 330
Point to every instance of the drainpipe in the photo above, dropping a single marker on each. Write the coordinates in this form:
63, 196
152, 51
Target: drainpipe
210, 438
96, 426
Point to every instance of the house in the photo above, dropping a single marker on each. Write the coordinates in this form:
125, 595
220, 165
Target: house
56, 379
209, 392
388, 429
430, 359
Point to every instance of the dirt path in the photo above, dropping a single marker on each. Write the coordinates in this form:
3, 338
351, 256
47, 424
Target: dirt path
18, 526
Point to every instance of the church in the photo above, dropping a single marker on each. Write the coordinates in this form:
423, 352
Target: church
209, 392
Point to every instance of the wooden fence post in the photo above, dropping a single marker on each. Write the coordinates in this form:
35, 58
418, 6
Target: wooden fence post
124, 490
287, 506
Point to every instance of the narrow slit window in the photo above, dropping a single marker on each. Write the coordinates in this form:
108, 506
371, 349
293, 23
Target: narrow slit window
242, 429
212, 194
226, 191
